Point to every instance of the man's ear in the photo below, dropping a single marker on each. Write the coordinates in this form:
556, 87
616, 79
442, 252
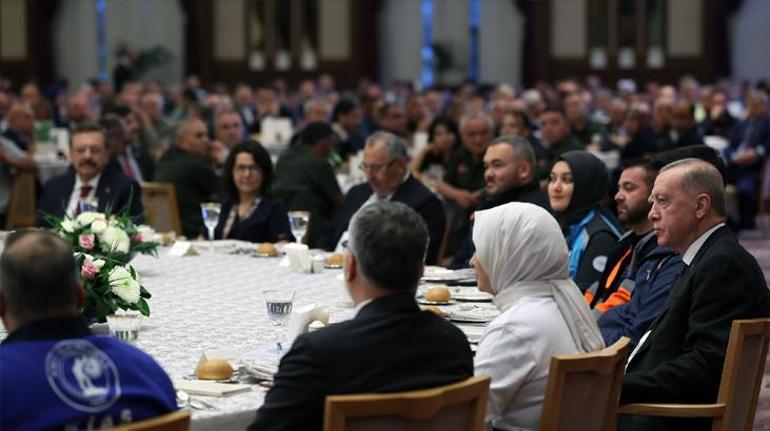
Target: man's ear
702, 206
525, 170
350, 267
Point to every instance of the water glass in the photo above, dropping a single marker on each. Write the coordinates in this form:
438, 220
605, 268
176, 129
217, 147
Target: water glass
299, 221
210, 212
125, 326
279, 305
88, 205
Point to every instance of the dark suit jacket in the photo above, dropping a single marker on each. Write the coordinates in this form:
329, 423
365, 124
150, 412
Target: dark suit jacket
268, 223
389, 346
681, 360
412, 193
115, 189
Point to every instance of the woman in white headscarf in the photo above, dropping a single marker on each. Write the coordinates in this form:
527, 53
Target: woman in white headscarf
522, 260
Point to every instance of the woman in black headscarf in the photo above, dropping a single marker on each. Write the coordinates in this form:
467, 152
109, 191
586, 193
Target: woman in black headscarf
576, 186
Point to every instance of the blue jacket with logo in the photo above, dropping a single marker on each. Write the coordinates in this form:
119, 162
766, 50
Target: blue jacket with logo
654, 276
54, 374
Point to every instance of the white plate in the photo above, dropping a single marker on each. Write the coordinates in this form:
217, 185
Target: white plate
473, 332
422, 300
470, 294
472, 313
442, 274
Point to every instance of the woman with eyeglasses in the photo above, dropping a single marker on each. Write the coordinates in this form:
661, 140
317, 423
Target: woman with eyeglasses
250, 213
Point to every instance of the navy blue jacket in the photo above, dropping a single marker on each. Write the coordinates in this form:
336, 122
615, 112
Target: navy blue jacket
114, 189
268, 223
55, 374
655, 273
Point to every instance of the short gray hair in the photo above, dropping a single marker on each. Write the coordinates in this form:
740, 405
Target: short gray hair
395, 145
701, 177
522, 149
389, 241
474, 115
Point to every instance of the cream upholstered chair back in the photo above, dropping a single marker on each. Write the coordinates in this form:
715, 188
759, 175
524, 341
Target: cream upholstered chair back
456, 407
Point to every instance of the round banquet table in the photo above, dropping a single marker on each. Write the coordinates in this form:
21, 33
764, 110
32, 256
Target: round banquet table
214, 301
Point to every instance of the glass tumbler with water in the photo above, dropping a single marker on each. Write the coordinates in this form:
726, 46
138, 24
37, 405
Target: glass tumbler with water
210, 212
299, 221
279, 306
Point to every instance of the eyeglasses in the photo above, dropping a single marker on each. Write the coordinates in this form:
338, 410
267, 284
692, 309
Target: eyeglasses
375, 169
242, 169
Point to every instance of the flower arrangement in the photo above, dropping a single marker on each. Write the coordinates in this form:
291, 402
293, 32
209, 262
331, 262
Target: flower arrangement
109, 286
103, 246
101, 235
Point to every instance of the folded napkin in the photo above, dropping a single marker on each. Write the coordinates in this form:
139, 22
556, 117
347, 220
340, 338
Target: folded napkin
214, 389
260, 371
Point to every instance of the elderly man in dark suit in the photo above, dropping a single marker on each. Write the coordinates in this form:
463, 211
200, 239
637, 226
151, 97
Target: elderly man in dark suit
389, 346
91, 178
388, 178
680, 359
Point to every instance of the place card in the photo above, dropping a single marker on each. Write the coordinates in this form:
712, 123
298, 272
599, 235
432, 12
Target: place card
204, 387
182, 248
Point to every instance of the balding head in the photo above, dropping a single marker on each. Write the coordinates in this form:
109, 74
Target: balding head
687, 200
38, 278
193, 137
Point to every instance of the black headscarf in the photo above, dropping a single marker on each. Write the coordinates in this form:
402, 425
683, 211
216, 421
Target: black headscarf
590, 185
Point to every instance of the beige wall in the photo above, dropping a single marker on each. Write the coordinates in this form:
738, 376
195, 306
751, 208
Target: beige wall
13, 29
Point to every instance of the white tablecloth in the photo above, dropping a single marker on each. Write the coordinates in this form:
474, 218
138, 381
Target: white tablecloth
214, 301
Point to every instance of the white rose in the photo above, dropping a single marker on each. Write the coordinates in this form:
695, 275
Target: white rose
68, 226
98, 264
98, 226
86, 218
115, 239
123, 286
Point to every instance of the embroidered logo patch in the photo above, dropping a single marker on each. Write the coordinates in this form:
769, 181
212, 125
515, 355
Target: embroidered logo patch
82, 376
599, 263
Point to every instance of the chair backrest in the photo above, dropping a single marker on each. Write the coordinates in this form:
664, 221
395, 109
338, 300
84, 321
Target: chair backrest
583, 390
459, 406
22, 206
160, 208
742, 373
174, 421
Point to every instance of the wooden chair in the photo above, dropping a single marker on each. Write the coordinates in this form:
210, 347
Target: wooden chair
459, 406
22, 206
174, 421
583, 390
739, 388
160, 209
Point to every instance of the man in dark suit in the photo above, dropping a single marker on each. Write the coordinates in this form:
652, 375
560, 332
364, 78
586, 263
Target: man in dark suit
389, 346
388, 178
91, 178
680, 359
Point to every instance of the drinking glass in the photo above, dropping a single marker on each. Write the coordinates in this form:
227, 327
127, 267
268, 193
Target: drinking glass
210, 212
125, 326
279, 305
88, 205
299, 221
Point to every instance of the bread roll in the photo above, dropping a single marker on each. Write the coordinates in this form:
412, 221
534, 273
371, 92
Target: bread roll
438, 294
267, 248
334, 260
214, 369
433, 309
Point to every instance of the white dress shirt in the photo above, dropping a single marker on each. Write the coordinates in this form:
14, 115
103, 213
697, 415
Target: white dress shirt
75, 196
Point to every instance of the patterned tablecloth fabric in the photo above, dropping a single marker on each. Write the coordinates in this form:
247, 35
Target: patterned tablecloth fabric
214, 301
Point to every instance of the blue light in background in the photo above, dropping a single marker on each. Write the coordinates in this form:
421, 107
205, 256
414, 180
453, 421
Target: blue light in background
101, 8
427, 43
473, 52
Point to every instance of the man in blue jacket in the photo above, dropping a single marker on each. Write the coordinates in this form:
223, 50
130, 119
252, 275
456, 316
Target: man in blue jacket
53, 372
636, 279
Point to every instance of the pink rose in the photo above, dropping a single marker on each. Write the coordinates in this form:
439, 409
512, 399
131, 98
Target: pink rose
138, 239
88, 270
87, 241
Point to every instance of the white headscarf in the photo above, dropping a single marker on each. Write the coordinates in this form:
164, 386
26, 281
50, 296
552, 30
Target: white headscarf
522, 249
